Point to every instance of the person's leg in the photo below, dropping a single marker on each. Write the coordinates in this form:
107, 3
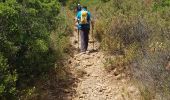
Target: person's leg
83, 45
86, 38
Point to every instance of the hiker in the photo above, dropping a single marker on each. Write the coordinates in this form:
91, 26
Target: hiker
84, 20
78, 9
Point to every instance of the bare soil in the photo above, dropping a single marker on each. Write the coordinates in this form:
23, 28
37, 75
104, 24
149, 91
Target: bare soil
94, 82
84, 77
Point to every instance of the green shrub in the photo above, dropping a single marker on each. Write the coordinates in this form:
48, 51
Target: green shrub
25, 42
7, 80
139, 33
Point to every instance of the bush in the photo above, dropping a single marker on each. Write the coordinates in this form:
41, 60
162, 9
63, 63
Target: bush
7, 80
140, 33
25, 42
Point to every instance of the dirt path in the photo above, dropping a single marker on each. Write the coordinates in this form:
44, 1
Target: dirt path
94, 82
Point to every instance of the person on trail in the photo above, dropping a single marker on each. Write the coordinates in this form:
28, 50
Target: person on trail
78, 8
84, 20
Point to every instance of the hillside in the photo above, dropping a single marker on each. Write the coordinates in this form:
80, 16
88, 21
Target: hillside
40, 58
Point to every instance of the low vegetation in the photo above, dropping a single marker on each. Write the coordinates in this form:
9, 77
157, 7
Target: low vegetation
32, 39
137, 34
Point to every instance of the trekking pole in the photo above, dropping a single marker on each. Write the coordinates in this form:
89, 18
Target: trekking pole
93, 37
78, 38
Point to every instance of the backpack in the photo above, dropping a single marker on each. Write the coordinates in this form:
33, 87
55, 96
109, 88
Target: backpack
84, 15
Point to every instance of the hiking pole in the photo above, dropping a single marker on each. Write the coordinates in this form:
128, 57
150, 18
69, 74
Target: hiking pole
78, 38
93, 36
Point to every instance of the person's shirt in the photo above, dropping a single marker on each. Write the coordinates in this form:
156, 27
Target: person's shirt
84, 26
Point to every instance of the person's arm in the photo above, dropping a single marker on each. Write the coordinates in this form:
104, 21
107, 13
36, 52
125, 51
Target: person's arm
78, 17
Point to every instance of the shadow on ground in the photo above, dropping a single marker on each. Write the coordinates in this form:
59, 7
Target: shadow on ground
60, 86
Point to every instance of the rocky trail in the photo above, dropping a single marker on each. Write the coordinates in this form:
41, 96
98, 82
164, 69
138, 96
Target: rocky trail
87, 79
94, 82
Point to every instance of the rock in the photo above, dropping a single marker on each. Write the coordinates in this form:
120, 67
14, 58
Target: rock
89, 64
75, 42
118, 97
88, 75
77, 64
118, 77
131, 89
81, 96
116, 72
99, 84
101, 90
69, 62
84, 92
124, 81
74, 58
78, 59
94, 75
87, 57
66, 91
123, 75
108, 90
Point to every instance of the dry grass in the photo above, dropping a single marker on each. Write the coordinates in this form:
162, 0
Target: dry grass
133, 30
